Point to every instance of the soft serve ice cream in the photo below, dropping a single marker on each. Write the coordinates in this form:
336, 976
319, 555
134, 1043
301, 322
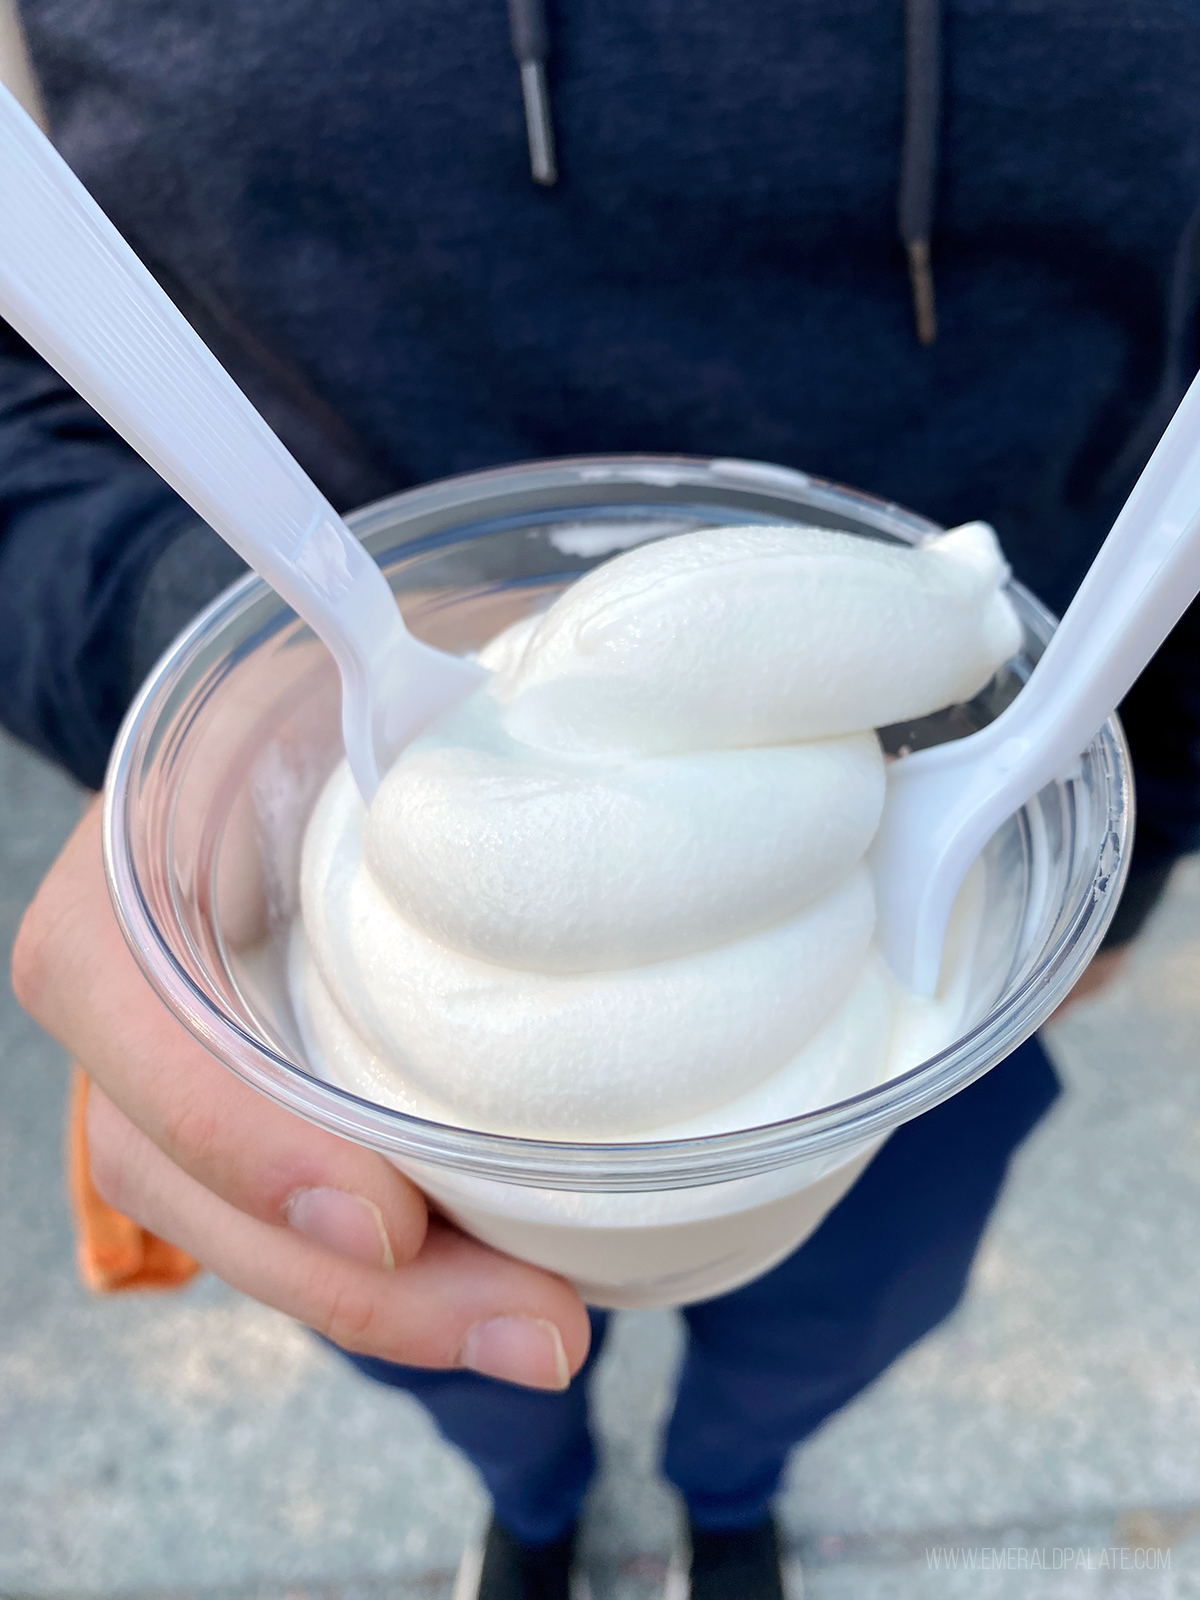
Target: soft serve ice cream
621, 892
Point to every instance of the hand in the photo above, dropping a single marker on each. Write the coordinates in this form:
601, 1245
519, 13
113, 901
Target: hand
319, 1228
1100, 971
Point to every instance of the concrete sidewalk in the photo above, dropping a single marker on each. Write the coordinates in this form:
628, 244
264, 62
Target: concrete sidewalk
1046, 1443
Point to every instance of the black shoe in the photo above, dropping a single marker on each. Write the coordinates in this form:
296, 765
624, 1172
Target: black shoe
505, 1569
743, 1565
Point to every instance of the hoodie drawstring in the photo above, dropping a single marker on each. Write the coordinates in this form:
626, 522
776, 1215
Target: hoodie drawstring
531, 46
918, 158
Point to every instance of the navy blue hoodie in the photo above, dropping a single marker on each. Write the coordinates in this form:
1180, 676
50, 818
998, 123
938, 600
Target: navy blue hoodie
339, 197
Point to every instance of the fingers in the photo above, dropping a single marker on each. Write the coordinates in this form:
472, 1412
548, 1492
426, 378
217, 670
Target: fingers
74, 973
455, 1304
286, 1212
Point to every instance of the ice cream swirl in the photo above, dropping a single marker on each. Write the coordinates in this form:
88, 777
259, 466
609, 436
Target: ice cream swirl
625, 882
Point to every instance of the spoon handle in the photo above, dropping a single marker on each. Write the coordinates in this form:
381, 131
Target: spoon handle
73, 288
944, 803
1145, 576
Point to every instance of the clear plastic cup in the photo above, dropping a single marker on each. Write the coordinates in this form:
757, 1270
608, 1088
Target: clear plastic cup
223, 753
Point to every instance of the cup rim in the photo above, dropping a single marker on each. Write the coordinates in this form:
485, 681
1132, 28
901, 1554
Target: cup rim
595, 1165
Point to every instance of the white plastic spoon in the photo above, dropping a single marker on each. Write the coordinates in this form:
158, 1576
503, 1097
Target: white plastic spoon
944, 804
73, 288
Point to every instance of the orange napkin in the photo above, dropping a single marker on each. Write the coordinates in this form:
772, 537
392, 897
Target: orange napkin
113, 1253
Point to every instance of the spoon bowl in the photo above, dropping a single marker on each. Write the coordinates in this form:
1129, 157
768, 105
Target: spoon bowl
943, 804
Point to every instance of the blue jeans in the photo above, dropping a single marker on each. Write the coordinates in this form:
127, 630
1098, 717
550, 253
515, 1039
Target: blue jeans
768, 1363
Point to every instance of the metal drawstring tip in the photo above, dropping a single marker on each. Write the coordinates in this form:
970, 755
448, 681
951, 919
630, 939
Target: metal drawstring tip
920, 275
538, 126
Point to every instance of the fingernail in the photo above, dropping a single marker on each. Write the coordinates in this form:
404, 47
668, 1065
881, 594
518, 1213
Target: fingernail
519, 1349
345, 1223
